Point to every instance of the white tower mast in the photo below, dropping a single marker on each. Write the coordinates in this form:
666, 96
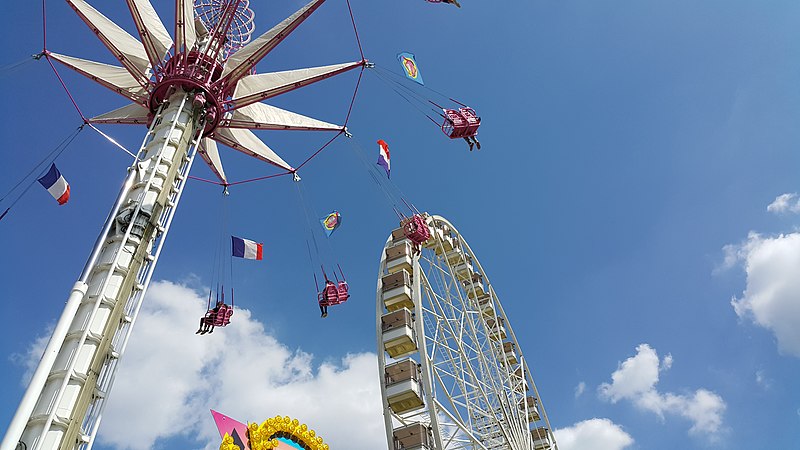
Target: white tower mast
193, 93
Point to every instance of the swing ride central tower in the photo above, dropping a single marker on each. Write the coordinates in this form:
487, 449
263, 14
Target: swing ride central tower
78, 367
193, 92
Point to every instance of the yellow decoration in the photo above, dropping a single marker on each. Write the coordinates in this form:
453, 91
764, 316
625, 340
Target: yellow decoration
227, 443
263, 437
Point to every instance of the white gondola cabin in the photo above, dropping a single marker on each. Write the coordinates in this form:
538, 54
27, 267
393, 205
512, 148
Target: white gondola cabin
464, 270
496, 328
399, 257
398, 333
416, 436
403, 387
396, 289
542, 439
436, 236
485, 305
510, 353
531, 405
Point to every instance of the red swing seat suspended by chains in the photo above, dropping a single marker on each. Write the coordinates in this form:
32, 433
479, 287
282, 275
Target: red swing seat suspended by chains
416, 229
460, 123
219, 318
334, 292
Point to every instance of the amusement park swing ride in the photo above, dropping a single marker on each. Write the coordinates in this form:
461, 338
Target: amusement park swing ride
196, 88
193, 92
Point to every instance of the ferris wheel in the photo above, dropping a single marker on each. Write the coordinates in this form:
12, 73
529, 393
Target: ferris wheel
452, 372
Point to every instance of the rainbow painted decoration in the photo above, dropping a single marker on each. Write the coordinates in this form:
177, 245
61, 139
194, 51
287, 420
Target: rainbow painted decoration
410, 66
331, 222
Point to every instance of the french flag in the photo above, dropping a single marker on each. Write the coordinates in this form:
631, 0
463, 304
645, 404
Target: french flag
56, 185
383, 156
247, 249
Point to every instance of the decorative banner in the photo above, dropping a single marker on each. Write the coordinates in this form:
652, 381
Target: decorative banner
410, 67
383, 156
331, 222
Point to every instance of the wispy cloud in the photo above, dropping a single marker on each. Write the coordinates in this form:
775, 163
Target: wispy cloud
579, 389
635, 380
30, 358
785, 203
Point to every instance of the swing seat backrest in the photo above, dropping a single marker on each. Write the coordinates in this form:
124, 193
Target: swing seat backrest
217, 318
343, 292
332, 294
473, 121
224, 316
329, 295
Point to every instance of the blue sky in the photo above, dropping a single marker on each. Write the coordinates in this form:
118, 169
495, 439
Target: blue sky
619, 206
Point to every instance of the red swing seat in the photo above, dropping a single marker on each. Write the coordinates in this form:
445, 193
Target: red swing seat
342, 292
220, 318
415, 229
329, 295
460, 123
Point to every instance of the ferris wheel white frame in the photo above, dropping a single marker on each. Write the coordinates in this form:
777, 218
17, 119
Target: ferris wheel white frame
469, 389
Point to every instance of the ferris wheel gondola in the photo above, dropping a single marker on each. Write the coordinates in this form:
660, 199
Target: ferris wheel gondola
453, 375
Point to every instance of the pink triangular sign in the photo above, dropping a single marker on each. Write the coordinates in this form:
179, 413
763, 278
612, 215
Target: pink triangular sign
236, 429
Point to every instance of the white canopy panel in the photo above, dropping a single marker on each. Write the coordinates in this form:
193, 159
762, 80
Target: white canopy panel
254, 88
248, 143
239, 63
185, 34
126, 48
265, 117
210, 154
118, 79
133, 114
155, 37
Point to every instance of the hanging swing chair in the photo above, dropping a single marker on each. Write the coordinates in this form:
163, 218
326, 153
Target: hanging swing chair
218, 316
219, 313
334, 292
460, 123
456, 120
415, 229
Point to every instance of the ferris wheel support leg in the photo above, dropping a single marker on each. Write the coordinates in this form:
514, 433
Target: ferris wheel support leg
25, 408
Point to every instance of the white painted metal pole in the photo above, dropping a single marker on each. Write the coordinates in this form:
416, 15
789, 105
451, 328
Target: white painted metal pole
39, 378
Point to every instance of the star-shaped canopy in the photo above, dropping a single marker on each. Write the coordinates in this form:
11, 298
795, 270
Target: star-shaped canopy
237, 93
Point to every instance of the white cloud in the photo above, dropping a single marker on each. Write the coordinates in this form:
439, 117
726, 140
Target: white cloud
762, 380
171, 378
785, 203
33, 354
593, 434
771, 298
579, 389
635, 380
